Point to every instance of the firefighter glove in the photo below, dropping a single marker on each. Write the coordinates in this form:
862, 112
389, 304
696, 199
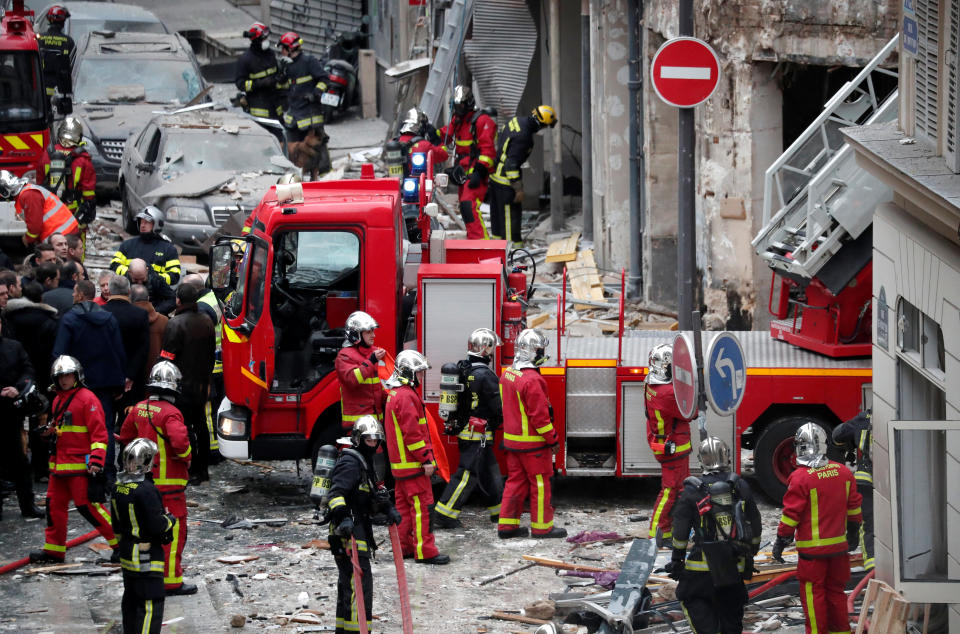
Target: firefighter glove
345, 528
373, 358
86, 212
853, 536
431, 134
478, 175
674, 569
778, 546
669, 448
393, 516
167, 536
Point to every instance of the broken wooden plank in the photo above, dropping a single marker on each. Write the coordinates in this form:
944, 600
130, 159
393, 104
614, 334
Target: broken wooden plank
237, 559
505, 616
564, 250
45, 569
506, 574
584, 280
537, 320
563, 565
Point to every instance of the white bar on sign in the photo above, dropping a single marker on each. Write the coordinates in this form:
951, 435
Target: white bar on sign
684, 72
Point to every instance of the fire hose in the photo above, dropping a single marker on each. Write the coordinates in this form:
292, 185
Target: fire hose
76, 541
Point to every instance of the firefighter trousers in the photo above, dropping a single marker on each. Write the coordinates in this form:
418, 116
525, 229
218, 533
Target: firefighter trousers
866, 527
478, 466
60, 491
711, 610
414, 496
347, 616
505, 214
175, 503
822, 582
528, 476
672, 475
470, 200
140, 616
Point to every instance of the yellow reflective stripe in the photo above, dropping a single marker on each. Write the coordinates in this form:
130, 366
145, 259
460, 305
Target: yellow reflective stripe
422, 421
262, 73
73, 428
98, 445
86, 193
538, 522
102, 512
303, 79
789, 521
418, 525
71, 466
352, 417
496, 178
660, 424
468, 434
509, 521
363, 381
32, 235
814, 517
417, 445
525, 435
147, 617
545, 428
337, 501
811, 612
405, 465
514, 125
678, 544
248, 85
830, 541
486, 160
684, 447
260, 112
855, 511
134, 525
171, 565
17, 142
171, 481
76, 176
463, 143
698, 566
656, 515
55, 548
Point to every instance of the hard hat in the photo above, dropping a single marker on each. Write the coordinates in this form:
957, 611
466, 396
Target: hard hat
138, 456
289, 177
358, 323
714, 455
406, 367
545, 116
165, 376
10, 185
366, 427
257, 32
412, 122
660, 367
810, 444
65, 364
530, 349
290, 41
154, 215
70, 133
482, 342
57, 14
463, 101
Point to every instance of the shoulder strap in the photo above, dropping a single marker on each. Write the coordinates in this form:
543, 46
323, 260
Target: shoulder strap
59, 413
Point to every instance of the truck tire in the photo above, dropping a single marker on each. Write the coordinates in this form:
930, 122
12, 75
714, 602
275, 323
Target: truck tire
773, 457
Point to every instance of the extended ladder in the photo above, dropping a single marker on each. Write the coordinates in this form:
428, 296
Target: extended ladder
456, 22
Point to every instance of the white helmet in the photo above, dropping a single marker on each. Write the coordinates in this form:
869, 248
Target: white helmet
154, 215
406, 367
10, 185
70, 133
660, 366
65, 364
483, 342
810, 443
413, 121
358, 323
138, 457
530, 349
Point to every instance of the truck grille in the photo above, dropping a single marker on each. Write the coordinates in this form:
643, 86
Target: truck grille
222, 214
112, 149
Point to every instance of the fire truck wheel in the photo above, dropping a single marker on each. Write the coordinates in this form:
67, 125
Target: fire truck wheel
773, 456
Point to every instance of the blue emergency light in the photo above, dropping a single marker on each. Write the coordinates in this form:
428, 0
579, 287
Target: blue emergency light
410, 190
418, 163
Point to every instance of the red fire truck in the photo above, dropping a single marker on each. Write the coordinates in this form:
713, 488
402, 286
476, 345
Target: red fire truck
318, 251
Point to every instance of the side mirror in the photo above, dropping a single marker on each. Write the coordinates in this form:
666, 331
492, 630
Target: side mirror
431, 209
222, 273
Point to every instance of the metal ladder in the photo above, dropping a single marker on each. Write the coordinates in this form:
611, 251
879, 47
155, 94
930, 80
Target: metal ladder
814, 196
456, 21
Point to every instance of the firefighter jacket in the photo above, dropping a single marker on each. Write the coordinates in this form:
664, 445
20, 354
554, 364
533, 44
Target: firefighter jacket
158, 252
353, 488
514, 145
161, 422
360, 390
80, 432
665, 423
258, 77
473, 135
140, 525
209, 299
189, 342
484, 392
408, 438
43, 213
527, 419
413, 144
726, 492
308, 81
818, 504
858, 432
56, 50
72, 177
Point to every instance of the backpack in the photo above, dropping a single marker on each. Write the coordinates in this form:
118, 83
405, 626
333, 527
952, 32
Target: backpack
459, 419
723, 517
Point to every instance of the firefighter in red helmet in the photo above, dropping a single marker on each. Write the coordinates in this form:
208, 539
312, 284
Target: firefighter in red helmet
258, 75
304, 115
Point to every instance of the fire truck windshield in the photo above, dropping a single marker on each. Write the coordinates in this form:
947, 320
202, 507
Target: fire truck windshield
318, 259
21, 88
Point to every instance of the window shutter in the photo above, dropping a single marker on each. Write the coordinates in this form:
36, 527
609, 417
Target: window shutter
927, 69
951, 144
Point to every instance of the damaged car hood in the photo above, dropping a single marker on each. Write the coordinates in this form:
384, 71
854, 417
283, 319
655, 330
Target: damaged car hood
217, 187
115, 122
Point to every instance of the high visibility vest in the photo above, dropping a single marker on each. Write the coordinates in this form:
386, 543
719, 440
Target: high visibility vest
211, 300
57, 218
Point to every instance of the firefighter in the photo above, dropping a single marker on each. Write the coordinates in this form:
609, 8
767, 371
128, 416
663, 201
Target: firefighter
157, 419
353, 498
822, 506
857, 434
477, 465
356, 365
151, 246
529, 440
77, 428
57, 50
417, 135
411, 457
72, 176
257, 75
304, 114
720, 510
514, 145
142, 528
473, 133
668, 434
41, 210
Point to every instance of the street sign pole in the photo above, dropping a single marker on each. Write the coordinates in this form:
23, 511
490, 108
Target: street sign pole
686, 226
701, 393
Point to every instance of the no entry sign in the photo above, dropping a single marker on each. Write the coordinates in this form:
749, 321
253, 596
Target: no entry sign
685, 72
686, 383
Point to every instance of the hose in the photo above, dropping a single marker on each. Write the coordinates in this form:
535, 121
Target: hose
76, 541
533, 267
776, 581
852, 599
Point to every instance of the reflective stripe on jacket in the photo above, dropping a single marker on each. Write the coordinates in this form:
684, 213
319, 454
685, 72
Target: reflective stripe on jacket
161, 422
408, 438
527, 423
817, 506
42, 222
79, 435
360, 390
665, 423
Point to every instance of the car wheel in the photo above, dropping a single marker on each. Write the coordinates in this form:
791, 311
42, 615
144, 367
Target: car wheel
126, 214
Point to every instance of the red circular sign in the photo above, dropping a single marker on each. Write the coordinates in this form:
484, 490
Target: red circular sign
685, 383
685, 72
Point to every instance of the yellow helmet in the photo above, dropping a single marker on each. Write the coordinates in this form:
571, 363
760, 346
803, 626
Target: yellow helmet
545, 115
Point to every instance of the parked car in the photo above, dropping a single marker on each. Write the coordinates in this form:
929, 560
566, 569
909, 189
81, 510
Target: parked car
86, 17
200, 168
120, 81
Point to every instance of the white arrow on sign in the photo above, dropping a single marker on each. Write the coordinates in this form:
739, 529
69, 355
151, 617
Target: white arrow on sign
724, 363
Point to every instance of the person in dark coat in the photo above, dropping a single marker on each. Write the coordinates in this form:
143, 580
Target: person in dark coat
140, 296
61, 297
189, 342
161, 295
92, 336
135, 332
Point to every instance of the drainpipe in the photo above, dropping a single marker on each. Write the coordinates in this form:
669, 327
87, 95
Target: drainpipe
586, 117
556, 172
637, 193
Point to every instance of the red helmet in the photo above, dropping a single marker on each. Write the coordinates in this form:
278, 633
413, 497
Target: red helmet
257, 31
291, 41
57, 14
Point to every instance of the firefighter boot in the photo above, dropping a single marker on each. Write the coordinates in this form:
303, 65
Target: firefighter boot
43, 557
555, 533
442, 521
523, 531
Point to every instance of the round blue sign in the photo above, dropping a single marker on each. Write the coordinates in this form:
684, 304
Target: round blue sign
725, 374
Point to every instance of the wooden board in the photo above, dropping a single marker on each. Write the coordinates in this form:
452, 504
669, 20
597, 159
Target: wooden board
541, 320
562, 565
564, 250
584, 279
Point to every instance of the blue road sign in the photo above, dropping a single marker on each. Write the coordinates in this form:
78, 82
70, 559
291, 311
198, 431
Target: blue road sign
725, 374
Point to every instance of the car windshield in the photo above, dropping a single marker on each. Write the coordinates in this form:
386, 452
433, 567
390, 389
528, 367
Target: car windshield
78, 27
320, 258
185, 151
136, 80
21, 87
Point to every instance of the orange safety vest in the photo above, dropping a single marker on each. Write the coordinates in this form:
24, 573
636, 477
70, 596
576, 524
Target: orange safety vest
57, 217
